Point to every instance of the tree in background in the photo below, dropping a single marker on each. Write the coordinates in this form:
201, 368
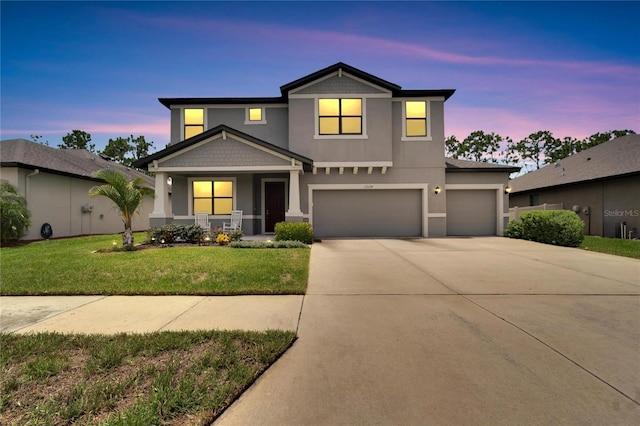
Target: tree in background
478, 146
38, 139
15, 217
127, 150
532, 147
126, 195
541, 147
77, 139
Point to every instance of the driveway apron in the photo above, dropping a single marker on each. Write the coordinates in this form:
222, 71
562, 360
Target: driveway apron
457, 331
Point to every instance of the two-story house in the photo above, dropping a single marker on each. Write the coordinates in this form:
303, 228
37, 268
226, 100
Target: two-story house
353, 154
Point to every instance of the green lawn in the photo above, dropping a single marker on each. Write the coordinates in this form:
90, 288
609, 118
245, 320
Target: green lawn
185, 378
70, 266
617, 246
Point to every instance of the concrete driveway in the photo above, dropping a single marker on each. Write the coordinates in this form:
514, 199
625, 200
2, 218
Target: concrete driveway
457, 331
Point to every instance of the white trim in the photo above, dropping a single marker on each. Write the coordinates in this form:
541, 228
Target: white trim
321, 164
404, 121
498, 187
340, 73
427, 98
437, 215
283, 168
263, 114
204, 118
228, 106
316, 117
190, 181
263, 216
375, 186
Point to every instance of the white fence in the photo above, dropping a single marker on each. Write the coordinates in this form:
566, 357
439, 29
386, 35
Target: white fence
514, 212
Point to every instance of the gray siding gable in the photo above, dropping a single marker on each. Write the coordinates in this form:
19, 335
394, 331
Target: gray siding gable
224, 153
336, 85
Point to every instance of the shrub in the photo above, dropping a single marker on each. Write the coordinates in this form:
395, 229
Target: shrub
236, 234
223, 239
173, 232
294, 231
16, 218
268, 244
558, 227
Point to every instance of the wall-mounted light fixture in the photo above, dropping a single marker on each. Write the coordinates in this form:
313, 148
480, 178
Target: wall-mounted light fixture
437, 190
507, 189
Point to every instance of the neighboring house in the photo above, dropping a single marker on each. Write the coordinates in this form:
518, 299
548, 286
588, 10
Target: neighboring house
351, 153
56, 183
601, 184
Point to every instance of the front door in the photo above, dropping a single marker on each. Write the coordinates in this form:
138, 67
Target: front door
273, 205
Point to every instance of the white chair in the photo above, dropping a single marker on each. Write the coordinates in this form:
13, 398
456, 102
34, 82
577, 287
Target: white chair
202, 219
236, 222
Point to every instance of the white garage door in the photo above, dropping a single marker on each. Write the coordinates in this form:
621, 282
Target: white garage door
367, 213
471, 212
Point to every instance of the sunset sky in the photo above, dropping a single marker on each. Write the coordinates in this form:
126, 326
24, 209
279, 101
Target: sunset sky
569, 67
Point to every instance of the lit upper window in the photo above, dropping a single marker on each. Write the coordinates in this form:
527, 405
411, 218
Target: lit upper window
255, 114
212, 197
416, 118
193, 122
340, 116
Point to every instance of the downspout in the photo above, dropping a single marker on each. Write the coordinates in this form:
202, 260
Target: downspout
26, 185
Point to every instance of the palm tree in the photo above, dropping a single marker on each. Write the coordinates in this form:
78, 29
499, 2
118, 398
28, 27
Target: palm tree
126, 195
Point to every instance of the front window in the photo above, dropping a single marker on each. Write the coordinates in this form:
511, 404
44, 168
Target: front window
193, 122
255, 115
416, 118
212, 197
340, 116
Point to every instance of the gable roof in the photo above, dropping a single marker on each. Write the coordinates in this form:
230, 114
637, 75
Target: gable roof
615, 158
144, 162
285, 89
454, 165
78, 163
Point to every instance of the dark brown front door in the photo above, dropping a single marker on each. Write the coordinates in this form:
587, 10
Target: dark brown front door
273, 204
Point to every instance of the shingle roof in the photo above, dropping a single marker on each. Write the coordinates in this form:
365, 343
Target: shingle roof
394, 88
455, 165
78, 163
143, 162
618, 157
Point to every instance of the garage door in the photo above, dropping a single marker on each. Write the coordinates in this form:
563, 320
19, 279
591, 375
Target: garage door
372, 213
471, 212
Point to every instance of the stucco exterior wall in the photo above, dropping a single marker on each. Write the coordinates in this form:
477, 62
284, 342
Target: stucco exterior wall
375, 146
58, 200
609, 203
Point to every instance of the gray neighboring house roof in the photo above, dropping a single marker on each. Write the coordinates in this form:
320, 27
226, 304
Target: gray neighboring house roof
455, 165
616, 158
78, 163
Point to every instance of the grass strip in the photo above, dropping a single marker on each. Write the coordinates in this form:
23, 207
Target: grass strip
617, 246
157, 378
72, 267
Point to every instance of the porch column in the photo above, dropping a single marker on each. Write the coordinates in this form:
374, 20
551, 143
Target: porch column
294, 214
161, 204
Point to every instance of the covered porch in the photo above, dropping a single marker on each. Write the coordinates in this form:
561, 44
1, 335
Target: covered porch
222, 170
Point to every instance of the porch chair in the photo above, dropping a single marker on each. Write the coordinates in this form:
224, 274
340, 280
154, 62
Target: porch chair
236, 222
202, 219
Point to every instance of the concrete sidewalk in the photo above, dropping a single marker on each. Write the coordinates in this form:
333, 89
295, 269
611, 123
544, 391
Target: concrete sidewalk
477, 331
141, 314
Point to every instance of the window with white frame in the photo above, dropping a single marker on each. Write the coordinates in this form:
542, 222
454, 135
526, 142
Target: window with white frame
193, 119
416, 120
255, 115
213, 196
340, 116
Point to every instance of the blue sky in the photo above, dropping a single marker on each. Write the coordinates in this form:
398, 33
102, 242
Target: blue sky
518, 67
